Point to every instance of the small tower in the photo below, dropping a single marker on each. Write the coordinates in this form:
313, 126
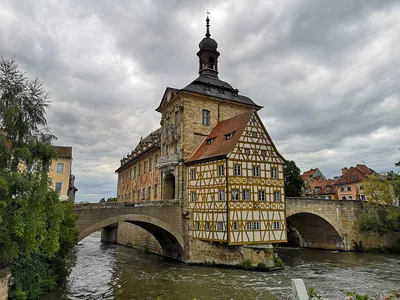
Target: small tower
208, 54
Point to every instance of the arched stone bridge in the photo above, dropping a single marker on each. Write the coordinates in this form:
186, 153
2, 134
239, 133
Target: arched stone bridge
324, 223
321, 223
163, 219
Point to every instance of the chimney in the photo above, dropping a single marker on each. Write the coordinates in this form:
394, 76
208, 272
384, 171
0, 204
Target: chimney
344, 170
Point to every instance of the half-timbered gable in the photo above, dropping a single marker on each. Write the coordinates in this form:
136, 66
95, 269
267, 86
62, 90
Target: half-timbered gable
256, 188
237, 164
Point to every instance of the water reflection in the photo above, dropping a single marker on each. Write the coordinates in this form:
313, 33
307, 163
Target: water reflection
107, 271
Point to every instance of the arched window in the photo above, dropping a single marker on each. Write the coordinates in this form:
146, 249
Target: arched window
205, 117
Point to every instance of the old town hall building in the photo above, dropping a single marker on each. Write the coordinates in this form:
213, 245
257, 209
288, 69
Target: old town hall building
214, 155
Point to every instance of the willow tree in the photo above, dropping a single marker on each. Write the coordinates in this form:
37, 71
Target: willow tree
31, 215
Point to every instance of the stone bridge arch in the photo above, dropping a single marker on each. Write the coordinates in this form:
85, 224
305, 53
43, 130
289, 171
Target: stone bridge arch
316, 231
171, 242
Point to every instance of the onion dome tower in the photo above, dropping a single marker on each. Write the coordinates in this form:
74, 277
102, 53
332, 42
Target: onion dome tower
208, 54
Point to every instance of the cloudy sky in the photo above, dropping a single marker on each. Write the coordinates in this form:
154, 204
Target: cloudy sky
326, 72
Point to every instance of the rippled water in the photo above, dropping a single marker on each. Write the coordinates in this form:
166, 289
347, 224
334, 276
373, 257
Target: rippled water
108, 271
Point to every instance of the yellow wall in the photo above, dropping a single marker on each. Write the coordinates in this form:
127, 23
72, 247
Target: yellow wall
61, 177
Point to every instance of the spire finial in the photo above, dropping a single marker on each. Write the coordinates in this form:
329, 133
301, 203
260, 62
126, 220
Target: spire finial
208, 25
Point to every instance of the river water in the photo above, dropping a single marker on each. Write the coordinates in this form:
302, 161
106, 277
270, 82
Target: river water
109, 271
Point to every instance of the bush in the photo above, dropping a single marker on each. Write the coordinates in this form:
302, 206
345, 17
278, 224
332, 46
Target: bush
278, 262
246, 264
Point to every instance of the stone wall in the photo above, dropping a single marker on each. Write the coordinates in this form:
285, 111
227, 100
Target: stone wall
5, 276
129, 234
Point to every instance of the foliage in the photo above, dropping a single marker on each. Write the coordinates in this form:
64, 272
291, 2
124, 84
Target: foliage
312, 294
380, 219
379, 189
112, 199
278, 261
246, 264
293, 181
36, 229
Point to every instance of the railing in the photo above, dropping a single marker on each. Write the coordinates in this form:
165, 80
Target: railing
108, 205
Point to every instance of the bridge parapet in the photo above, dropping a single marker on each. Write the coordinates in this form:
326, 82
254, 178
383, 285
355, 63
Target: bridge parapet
116, 205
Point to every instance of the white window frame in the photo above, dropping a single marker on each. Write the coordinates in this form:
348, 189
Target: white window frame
221, 170
256, 171
193, 197
348, 188
274, 172
237, 170
208, 226
261, 195
277, 196
237, 198
220, 226
256, 225
221, 195
192, 174
61, 186
249, 225
63, 168
248, 194
277, 225
350, 197
235, 226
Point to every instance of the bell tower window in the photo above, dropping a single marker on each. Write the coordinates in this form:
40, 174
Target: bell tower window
211, 62
205, 117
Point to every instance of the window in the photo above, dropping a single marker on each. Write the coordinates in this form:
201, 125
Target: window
221, 195
58, 186
254, 134
362, 197
60, 168
130, 174
197, 225
235, 195
261, 195
208, 226
221, 170
220, 226
150, 164
349, 188
192, 174
277, 197
205, 117
246, 195
246, 151
138, 195
342, 188
237, 170
140, 169
343, 197
144, 193
144, 167
235, 226
256, 225
228, 136
167, 150
209, 141
277, 225
274, 173
256, 171
134, 172
263, 153
193, 196
350, 197
155, 190
249, 225
149, 192
360, 187
156, 160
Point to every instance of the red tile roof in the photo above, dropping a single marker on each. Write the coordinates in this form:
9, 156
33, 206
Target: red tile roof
309, 173
64, 152
326, 186
219, 145
355, 174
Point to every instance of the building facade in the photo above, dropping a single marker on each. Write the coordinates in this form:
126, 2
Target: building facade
215, 157
60, 173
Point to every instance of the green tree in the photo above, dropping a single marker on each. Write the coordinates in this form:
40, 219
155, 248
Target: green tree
293, 181
379, 189
33, 222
